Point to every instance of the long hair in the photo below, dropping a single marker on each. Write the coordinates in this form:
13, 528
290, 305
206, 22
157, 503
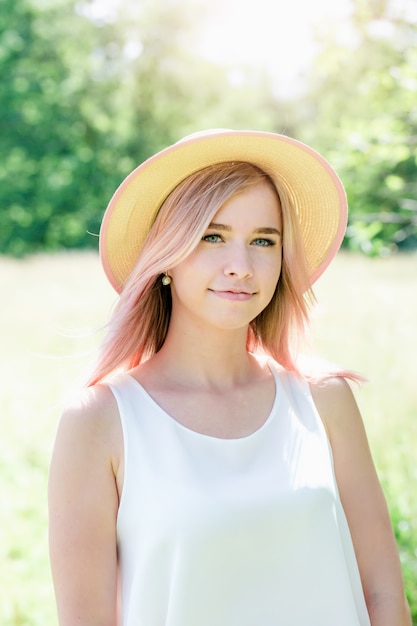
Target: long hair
140, 321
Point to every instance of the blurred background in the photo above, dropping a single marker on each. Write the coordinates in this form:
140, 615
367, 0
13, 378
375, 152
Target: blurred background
90, 89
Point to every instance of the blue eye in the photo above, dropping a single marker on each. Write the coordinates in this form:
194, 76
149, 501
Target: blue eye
263, 242
212, 238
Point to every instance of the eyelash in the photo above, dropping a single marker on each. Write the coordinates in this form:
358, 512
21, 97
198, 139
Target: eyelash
212, 236
267, 244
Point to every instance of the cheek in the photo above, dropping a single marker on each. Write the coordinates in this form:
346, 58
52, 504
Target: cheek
273, 266
192, 267
187, 275
274, 276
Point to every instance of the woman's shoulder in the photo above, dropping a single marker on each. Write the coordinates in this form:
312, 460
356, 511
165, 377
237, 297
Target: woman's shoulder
329, 388
90, 419
337, 407
90, 404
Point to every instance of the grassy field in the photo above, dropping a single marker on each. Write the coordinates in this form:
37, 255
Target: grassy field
366, 319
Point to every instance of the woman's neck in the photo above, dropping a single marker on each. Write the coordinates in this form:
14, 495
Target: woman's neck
210, 357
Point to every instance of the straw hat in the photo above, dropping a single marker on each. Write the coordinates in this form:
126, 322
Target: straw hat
315, 190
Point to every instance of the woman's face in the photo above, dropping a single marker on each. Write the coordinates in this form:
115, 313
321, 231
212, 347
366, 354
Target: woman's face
232, 274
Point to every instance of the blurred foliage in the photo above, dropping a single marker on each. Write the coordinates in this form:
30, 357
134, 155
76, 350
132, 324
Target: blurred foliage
364, 92
405, 535
53, 150
84, 99
87, 94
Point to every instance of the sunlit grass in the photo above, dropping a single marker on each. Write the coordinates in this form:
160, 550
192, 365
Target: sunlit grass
365, 320
44, 299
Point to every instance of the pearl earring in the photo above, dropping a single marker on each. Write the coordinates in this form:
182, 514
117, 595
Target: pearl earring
166, 280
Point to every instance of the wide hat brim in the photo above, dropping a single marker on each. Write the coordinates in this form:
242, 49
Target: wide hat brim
315, 191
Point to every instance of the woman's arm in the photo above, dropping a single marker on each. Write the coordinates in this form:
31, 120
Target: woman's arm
364, 504
83, 503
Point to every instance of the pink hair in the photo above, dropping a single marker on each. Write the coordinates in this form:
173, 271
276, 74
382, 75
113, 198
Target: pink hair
138, 326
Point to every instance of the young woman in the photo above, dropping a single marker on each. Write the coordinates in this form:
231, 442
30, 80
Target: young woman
202, 479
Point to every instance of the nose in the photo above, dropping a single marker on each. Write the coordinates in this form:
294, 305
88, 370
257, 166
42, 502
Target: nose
238, 263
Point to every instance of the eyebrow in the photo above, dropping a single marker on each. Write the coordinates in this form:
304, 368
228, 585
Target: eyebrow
264, 230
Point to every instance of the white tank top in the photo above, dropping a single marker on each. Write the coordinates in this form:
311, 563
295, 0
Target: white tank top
233, 532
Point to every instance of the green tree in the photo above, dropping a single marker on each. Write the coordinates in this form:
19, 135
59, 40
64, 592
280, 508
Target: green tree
363, 103
86, 97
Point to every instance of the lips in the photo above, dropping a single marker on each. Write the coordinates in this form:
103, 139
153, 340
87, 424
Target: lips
233, 294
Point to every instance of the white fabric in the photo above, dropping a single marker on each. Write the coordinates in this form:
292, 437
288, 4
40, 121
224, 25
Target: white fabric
233, 532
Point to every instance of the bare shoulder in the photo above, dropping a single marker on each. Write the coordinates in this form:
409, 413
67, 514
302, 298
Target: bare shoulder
87, 459
91, 422
94, 407
83, 499
91, 403
332, 391
336, 405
